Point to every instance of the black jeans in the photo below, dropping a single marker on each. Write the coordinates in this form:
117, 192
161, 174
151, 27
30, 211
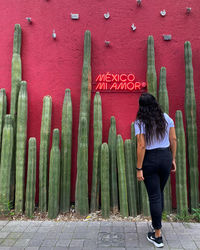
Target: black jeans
156, 170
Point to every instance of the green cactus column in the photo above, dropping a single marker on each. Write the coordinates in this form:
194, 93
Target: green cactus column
84, 113
164, 103
123, 199
3, 110
82, 204
181, 176
54, 177
105, 187
151, 70
66, 147
6, 164
16, 77
134, 155
44, 152
16, 72
97, 126
21, 135
31, 178
191, 129
112, 144
132, 200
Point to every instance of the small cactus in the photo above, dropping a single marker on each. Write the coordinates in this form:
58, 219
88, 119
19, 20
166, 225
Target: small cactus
97, 126
54, 177
105, 190
21, 136
3, 110
6, 164
123, 200
31, 178
44, 152
66, 147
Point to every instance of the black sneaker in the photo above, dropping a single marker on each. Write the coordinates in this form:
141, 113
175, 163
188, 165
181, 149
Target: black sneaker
158, 242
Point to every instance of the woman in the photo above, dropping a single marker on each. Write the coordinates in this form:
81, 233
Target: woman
156, 151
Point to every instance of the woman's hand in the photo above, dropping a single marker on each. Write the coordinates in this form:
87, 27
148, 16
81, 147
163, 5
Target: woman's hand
173, 169
140, 175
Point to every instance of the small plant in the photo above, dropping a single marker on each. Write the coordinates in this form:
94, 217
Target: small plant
196, 214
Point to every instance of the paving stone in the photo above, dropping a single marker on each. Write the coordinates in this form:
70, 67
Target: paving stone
39, 236
132, 243
35, 243
43, 229
48, 223
14, 235
81, 235
76, 243
131, 236
105, 229
31, 248
66, 236
63, 243
3, 234
3, 222
53, 235
174, 244
16, 248
31, 229
4, 248
48, 242
8, 242
118, 229
197, 242
21, 242
90, 243
27, 235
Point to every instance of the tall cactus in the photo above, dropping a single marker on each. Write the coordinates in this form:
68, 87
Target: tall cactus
31, 178
16, 73
132, 201
81, 205
134, 155
54, 177
84, 113
123, 199
6, 164
191, 128
21, 135
66, 146
105, 187
164, 103
151, 70
16, 77
97, 126
181, 178
3, 109
112, 144
44, 152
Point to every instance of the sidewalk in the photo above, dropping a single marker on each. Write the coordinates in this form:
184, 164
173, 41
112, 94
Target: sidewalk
94, 235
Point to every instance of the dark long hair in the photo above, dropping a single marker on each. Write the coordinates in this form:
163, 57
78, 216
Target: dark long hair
152, 116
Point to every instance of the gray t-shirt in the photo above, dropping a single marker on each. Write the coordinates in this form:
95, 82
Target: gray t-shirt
164, 143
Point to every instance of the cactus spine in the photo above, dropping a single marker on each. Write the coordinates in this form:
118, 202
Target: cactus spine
134, 155
105, 189
3, 109
112, 141
84, 113
31, 178
132, 201
191, 128
6, 164
151, 70
21, 136
181, 179
164, 103
66, 145
97, 126
54, 177
122, 177
44, 152
81, 205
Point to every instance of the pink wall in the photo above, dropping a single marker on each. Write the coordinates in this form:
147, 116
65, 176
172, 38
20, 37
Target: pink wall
49, 66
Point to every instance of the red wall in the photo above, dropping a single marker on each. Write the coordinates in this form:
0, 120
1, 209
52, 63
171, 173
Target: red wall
50, 66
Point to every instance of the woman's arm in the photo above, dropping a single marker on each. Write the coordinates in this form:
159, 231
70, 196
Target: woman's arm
172, 139
141, 147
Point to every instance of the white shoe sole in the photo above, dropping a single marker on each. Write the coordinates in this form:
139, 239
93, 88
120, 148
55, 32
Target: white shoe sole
155, 244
